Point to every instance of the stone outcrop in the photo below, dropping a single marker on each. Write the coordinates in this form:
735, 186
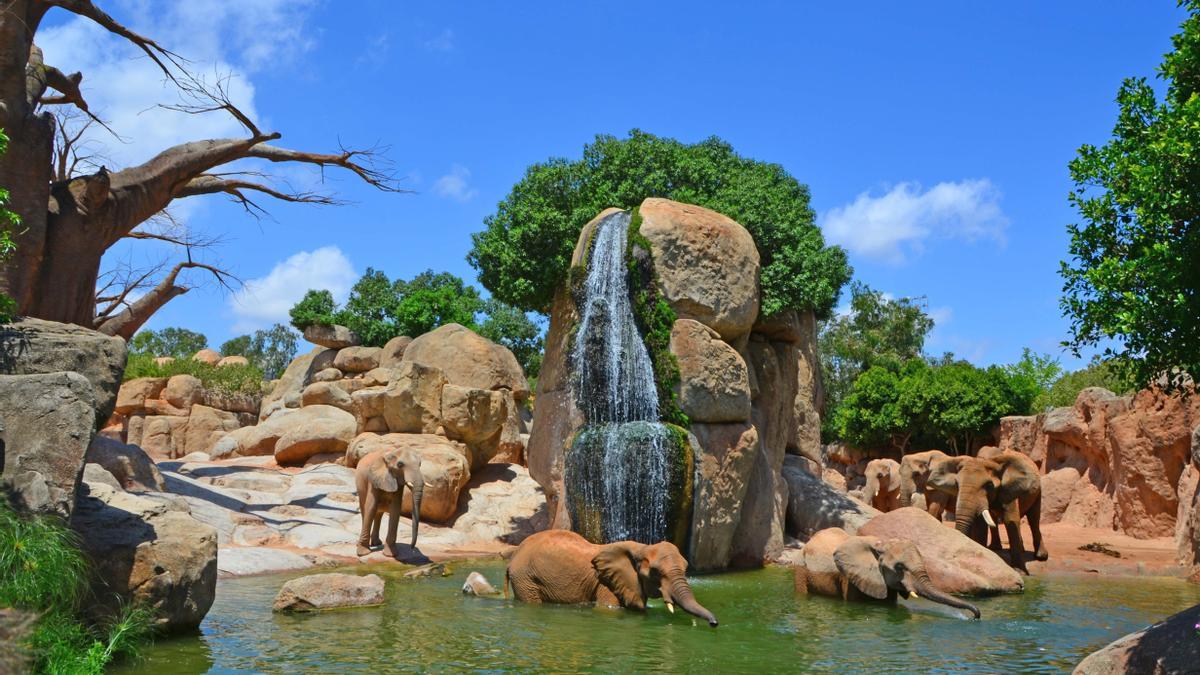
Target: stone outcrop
329, 591
469, 360
1111, 462
814, 504
392, 352
288, 389
1169, 646
47, 424
357, 359
956, 564
210, 356
749, 384
176, 416
1187, 530
313, 430
331, 337
150, 551
35, 347
129, 465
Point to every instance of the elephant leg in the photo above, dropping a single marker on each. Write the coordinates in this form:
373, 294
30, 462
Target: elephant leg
1016, 548
393, 525
1034, 514
800, 578
995, 544
375, 542
934, 503
369, 506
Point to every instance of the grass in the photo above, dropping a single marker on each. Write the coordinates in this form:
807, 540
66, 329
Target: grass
44, 573
232, 379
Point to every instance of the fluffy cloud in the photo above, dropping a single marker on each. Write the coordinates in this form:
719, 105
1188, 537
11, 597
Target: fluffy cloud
455, 185
895, 225
266, 300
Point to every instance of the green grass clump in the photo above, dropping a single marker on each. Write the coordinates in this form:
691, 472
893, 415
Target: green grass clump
44, 573
231, 379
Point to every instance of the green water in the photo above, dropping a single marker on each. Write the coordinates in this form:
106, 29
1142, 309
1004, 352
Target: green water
428, 625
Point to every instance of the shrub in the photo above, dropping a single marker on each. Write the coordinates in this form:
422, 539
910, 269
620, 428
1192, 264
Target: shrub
230, 379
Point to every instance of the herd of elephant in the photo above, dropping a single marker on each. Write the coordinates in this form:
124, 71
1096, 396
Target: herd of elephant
560, 566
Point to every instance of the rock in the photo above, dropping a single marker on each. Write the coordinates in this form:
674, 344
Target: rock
393, 352
956, 564
706, 263
413, 402
1187, 531
444, 464
147, 551
196, 457
475, 417
357, 359
163, 360
724, 457
814, 505
502, 503
325, 393
469, 360
329, 591
239, 561
1169, 646
94, 473
233, 361
48, 422
38, 347
133, 393
245, 403
128, 464
205, 426
350, 385
183, 391
713, 382
377, 377
160, 435
327, 375
294, 379
367, 404
332, 337
314, 429
209, 356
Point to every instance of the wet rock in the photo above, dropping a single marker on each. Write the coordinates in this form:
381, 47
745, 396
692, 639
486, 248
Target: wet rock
724, 456
329, 591
1169, 646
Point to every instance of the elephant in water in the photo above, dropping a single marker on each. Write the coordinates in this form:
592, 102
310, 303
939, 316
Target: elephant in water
380, 478
477, 584
882, 490
559, 566
914, 471
839, 565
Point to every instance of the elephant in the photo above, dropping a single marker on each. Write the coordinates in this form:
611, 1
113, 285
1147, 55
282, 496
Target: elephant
914, 471
380, 477
882, 490
836, 564
1004, 482
560, 566
477, 584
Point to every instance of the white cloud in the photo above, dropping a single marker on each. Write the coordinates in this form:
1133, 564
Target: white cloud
455, 185
266, 300
895, 225
941, 315
442, 42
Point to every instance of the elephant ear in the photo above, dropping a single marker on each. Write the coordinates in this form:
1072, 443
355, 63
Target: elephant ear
616, 565
380, 475
858, 559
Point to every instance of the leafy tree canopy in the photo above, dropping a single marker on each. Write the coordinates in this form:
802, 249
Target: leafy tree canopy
269, 350
1134, 272
1099, 373
524, 252
180, 343
509, 326
9, 222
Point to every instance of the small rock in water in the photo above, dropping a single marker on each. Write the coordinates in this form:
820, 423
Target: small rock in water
430, 570
329, 591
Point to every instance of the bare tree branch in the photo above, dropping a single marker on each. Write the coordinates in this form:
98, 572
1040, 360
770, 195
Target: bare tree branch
381, 177
211, 184
161, 56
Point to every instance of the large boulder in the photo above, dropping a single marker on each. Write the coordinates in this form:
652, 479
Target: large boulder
392, 353
133, 393
815, 505
413, 401
326, 393
469, 360
329, 591
207, 356
129, 465
956, 564
475, 417
148, 551
713, 382
331, 337
444, 464
313, 430
34, 346
724, 458
205, 426
357, 359
707, 265
48, 422
1169, 646
287, 390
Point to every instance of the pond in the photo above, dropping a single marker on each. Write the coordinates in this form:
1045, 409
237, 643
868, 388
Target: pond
428, 625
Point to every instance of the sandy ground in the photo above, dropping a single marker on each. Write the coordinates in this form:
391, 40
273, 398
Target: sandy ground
1153, 557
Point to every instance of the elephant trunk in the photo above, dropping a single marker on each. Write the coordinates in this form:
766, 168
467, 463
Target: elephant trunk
418, 491
681, 594
871, 489
907, 486
925, 588
966, 510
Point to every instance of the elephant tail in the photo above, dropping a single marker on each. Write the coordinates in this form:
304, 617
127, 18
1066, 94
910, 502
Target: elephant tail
505, 582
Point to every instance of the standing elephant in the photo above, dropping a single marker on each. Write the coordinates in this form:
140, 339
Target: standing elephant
839, 565
559, 566
914, 471
380, 477
882, 490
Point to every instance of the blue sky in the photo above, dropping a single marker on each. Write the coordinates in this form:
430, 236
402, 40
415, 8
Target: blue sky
935, 136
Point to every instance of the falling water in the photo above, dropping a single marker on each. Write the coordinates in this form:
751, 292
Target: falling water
618, 464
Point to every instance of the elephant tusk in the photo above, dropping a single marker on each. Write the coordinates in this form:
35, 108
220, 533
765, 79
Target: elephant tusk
912, 595
671, 607
987, 518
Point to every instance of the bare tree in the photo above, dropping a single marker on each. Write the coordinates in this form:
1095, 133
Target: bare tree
70, 219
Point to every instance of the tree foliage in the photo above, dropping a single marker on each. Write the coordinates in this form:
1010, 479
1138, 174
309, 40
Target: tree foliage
269, 350
180, 343
1098, 373
524, 252
509, 326
1134, 272
9, 222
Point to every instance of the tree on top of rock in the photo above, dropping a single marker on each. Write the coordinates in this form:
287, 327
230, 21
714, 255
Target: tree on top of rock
1134, 272
70, 219
524, 252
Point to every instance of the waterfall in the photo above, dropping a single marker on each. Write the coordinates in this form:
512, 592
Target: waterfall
617, 468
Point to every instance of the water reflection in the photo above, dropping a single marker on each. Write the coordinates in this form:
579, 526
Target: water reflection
427, 624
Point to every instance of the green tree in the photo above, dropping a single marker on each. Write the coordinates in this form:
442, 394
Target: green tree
180, 343
1098, 373
316, 308
877, 331
1134, 272
524, 252
1031, 378
509, 326
9, 222
435, 299
269, 350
